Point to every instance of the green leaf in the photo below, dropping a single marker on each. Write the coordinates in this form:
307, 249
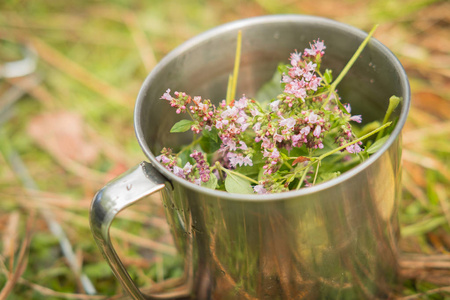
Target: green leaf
366, 129
271, 89
182, 126
327, 76
211, 183
328, 176
213, 134
209, 144
377, 145
237, 185
341, 106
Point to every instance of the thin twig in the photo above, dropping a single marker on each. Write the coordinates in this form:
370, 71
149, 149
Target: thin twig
21, 172
443, 201
76, 71
22, 259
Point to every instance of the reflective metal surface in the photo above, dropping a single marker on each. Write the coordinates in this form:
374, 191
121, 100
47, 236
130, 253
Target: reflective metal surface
120, 193
336, 240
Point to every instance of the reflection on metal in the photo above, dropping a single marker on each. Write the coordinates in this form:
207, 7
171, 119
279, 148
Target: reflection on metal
120, 193
336, 240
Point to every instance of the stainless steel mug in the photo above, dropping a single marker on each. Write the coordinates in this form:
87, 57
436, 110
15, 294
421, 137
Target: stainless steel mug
336, 240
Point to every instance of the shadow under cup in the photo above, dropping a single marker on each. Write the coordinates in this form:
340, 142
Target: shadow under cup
335, 240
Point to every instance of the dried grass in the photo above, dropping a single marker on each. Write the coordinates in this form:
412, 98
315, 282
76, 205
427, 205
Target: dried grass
92, 60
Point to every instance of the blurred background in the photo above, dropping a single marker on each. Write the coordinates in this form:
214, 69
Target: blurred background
66, 129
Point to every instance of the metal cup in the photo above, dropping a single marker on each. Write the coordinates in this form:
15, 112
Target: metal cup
336, 240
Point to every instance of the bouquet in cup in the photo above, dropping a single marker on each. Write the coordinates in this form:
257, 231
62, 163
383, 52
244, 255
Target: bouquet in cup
297, 132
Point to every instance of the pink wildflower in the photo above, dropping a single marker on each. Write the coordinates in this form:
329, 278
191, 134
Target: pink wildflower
257, 126
348, 108
167, 96
254, 112
259, 189
278, 137
305, 130
274, 105
317, 131
312, 118
243, 146
355, 148
179, 172
242, 103
202, 165
295, 58
356, 118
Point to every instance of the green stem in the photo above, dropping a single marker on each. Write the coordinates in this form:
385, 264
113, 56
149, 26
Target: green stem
393, 103
220, 167
230, 82
355, 141
303, 177
317, 172
287, 165
194, 142
349, 64
237, 61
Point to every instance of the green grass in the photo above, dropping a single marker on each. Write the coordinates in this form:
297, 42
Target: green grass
93, 57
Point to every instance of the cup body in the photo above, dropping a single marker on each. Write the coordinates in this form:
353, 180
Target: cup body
334, 240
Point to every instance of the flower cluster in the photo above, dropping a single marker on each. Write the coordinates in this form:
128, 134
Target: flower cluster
287, 136
201, 111
202, 165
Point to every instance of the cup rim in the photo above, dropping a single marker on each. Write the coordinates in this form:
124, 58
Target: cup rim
235, 25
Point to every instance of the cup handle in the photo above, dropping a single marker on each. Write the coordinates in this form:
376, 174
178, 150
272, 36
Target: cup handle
138, 182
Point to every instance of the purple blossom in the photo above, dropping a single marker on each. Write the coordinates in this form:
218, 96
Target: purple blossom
295, 58
286, 79
257, 126
274, 105
202, 165
254, 112
312, 118
348, 108
310, 67
228, 144
247, 161
179, 172
259, 189
296, 138
278, 137
305, 130
319, 45
356, 118
236, 159
187, 168
243, 146
242, 103
275, 153
266, 143
296, 88
316, 49
289, 122
317, 131
167, 96
230, 112
314, 83
355, 148
163, 159
308, 76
